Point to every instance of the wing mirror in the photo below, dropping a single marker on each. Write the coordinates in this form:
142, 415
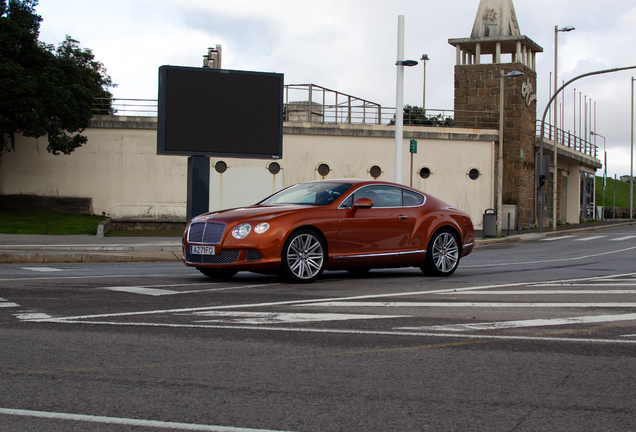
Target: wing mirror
362, 203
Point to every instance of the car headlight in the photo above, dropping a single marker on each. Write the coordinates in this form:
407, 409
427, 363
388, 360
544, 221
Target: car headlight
241, 231
261, 228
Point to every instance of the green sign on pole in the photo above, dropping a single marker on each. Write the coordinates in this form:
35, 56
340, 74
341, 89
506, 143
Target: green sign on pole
413, 146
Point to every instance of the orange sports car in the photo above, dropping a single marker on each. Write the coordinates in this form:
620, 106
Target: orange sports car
353, 225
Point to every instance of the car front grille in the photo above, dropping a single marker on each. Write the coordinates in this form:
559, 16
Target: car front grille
228, 256
206, 232
252, 255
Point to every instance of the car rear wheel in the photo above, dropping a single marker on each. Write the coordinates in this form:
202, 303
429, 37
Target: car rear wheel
442, 256
217, 273
304, 257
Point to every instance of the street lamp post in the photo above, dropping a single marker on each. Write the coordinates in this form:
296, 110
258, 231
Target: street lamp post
399, 105
555, 179
631, 164
604, 170
424, 59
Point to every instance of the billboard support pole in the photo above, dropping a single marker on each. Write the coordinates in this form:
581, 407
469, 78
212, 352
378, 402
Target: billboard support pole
198, 201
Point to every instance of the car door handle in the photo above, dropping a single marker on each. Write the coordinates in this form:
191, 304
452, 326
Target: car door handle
402, 217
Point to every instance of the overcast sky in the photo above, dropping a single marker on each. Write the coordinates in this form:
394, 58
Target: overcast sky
351, 46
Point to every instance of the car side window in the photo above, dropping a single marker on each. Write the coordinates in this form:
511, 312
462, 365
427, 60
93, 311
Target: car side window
381, 195
411, 199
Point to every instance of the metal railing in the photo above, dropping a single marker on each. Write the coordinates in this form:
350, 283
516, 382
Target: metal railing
568, 139
125, 107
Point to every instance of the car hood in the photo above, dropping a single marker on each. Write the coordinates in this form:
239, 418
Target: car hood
252, 212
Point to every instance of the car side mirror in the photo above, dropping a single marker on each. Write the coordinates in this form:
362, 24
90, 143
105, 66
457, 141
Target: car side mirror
362, 203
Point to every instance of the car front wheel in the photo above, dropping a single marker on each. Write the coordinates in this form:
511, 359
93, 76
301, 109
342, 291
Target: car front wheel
304, 257
442, 256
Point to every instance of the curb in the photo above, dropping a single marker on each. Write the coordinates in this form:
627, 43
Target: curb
88, 257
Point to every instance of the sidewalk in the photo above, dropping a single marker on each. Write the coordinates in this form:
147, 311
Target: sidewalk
42, 249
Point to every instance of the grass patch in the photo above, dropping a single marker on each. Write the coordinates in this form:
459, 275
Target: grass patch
622, 193
47, 222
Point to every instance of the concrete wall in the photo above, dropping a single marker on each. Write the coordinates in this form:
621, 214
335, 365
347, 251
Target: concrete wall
120, 170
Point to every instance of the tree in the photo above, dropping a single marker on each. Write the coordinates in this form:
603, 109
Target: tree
416, 116
45, 90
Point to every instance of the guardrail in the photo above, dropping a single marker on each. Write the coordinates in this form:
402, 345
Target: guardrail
568, 139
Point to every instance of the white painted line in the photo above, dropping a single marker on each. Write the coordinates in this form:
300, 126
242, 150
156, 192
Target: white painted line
141, 290
617, 284
472, 305
32, 315
154, 291
126, 421
84, 277
259, 318
526, 323
557, 238
42, 269
551, 260
301, 302
8, 304
590, 238
547, 292
360, 332
623, 238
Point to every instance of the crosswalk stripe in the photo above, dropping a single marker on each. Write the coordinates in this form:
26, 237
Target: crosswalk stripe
557, 238
590, 238
526, 323
623, 238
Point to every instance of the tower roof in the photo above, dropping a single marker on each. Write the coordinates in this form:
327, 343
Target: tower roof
495, 18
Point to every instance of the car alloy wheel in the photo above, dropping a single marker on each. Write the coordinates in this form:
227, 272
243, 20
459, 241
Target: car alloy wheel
442, 256
304, 256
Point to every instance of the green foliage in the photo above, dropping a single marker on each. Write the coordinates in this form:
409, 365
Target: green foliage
45, 90
416, 116
47, 222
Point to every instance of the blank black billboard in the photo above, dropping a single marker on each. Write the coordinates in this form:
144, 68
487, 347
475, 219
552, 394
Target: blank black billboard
219, 112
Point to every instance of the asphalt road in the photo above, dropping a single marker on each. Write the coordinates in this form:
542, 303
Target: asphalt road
525, 336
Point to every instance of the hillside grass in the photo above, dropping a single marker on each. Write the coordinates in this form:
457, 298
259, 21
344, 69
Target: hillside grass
622, 193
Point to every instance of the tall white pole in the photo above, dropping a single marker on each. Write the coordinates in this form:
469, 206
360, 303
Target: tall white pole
555, 177
631, 164
399, 103
500, 156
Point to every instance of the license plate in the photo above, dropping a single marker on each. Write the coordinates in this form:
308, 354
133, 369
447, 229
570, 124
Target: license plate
202, 250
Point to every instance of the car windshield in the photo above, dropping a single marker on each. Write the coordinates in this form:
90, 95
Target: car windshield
317, 194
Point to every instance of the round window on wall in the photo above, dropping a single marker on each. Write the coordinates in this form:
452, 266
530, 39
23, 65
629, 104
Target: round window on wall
474, 174
375, 171
323, 169
274, 168
425, 172
220, 167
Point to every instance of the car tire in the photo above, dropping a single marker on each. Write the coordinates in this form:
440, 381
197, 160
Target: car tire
217, 273
442, 256
304, 257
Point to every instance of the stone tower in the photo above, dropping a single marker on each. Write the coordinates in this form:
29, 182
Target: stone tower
496, 39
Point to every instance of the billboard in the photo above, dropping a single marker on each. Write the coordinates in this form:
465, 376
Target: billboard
219, 112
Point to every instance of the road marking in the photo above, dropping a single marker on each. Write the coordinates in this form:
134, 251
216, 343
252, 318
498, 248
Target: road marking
32, 315
548, 292
42, 269
623, 238
526, 323
557, 238
556, 260
358, 332
6, 303
590, 238
153, 291
126, 421
472, 304
259, 318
